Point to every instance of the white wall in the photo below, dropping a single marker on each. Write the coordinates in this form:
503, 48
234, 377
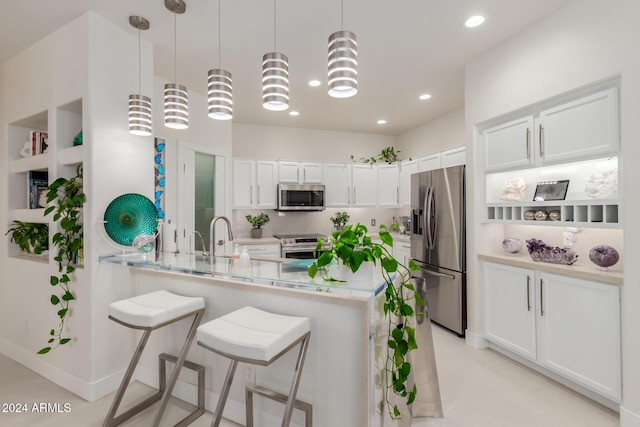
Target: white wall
285, 143
586, 42
437, 135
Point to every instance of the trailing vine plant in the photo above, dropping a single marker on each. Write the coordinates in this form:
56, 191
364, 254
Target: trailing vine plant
352, 246
69, 198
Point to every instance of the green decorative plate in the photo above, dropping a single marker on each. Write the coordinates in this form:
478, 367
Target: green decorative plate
128, 216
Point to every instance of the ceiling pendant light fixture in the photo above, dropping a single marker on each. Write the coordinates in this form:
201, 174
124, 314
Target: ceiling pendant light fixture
176, 100
220, 95
343, 61
139, 105
275, 76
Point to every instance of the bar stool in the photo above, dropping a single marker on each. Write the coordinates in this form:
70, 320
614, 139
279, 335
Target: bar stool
254, 336
149, 312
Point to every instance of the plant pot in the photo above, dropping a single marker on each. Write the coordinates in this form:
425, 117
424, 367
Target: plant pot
364, 273
256, 233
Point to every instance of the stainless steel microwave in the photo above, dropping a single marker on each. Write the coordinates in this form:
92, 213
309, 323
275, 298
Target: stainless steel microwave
301, 197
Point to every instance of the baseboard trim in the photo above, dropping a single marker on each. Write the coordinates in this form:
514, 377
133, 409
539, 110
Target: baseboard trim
628, 418
88, 390
475, 340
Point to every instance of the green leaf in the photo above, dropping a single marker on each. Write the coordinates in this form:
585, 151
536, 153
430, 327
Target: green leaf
386, 238
64, 340
406, 310
325, 259
53, 280
55, 300
68, 296
49, 210
51, 340
62, 313
419, 299
312, 270
44, 350
413, 265
411, 338
405, 370
397, 334
52, 332
396, 411
389, 264
412, 396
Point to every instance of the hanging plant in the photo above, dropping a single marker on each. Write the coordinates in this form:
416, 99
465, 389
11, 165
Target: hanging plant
353, 247
68, 199
388, 155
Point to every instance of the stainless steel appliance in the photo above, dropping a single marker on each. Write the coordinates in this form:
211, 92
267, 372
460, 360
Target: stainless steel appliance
301, 197
301, 246
438, 243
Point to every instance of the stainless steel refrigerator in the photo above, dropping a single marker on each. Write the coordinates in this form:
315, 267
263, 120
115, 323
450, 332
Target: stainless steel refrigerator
438, 244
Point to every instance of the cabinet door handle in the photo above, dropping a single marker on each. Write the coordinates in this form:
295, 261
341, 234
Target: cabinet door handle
298, 175
354, 195
251, 194
304, 175
528, 293
541, 297
540, 133
528, 143
258, 195
348, 196
397, 195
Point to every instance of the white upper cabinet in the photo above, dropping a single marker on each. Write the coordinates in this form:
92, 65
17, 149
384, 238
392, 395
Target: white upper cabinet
388, 185
407, 168
508, 145
580, 129
300, 173
583, 128
454, 157
266, 184
337, 185
254, 184
365, 185
244, 178
431, 162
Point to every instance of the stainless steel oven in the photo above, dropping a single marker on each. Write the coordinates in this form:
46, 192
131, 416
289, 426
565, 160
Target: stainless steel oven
302, 246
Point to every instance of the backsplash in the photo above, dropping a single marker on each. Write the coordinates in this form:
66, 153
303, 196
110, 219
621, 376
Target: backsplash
309, 222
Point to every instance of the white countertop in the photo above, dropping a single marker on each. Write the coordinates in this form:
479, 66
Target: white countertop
581, 269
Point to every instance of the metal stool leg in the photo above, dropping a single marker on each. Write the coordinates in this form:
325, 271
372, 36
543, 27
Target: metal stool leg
224, 393
178, 366
295, 382
111, 419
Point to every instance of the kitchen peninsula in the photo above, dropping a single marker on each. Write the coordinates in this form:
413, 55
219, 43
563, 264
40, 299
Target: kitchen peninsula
339, 370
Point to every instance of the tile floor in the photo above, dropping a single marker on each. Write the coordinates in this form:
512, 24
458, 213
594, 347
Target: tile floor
480, 388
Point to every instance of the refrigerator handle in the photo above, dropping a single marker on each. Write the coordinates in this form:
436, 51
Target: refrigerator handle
423, 272
425, 228
430, 218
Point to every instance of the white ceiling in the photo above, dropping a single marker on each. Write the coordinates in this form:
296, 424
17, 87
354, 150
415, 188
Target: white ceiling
405, 48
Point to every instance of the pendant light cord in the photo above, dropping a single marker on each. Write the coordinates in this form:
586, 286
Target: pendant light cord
342, 15
139, 66
175, 49
274, 26
219, 37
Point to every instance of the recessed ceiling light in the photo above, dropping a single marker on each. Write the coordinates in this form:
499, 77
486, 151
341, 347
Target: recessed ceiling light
474, 21
294, 113
382, 121
314, 83
425, 96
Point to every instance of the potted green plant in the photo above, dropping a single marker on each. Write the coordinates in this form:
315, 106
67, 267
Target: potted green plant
388, 155
340, 219
353, 247
65, 198
31, 237
257, 222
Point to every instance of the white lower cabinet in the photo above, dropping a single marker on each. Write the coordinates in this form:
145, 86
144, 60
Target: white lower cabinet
567, 325
402, 252
263, 250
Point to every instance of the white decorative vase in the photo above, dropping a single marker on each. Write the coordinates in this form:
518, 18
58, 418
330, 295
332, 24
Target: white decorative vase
364, 273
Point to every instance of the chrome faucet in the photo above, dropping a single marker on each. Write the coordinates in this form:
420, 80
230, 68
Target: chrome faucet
204, 249
212, 233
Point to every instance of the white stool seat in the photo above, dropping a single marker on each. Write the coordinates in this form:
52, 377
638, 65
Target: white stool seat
153, 309
250, 333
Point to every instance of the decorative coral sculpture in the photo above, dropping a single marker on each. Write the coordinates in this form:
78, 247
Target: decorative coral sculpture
539, 251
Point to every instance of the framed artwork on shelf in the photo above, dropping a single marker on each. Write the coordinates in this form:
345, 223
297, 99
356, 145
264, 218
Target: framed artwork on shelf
551, 190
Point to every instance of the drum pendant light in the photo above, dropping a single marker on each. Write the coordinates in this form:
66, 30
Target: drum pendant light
219, 83
176, 100
139, 105
275, 76
343, 62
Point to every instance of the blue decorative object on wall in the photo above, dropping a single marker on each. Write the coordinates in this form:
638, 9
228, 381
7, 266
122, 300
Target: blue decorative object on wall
159, 144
